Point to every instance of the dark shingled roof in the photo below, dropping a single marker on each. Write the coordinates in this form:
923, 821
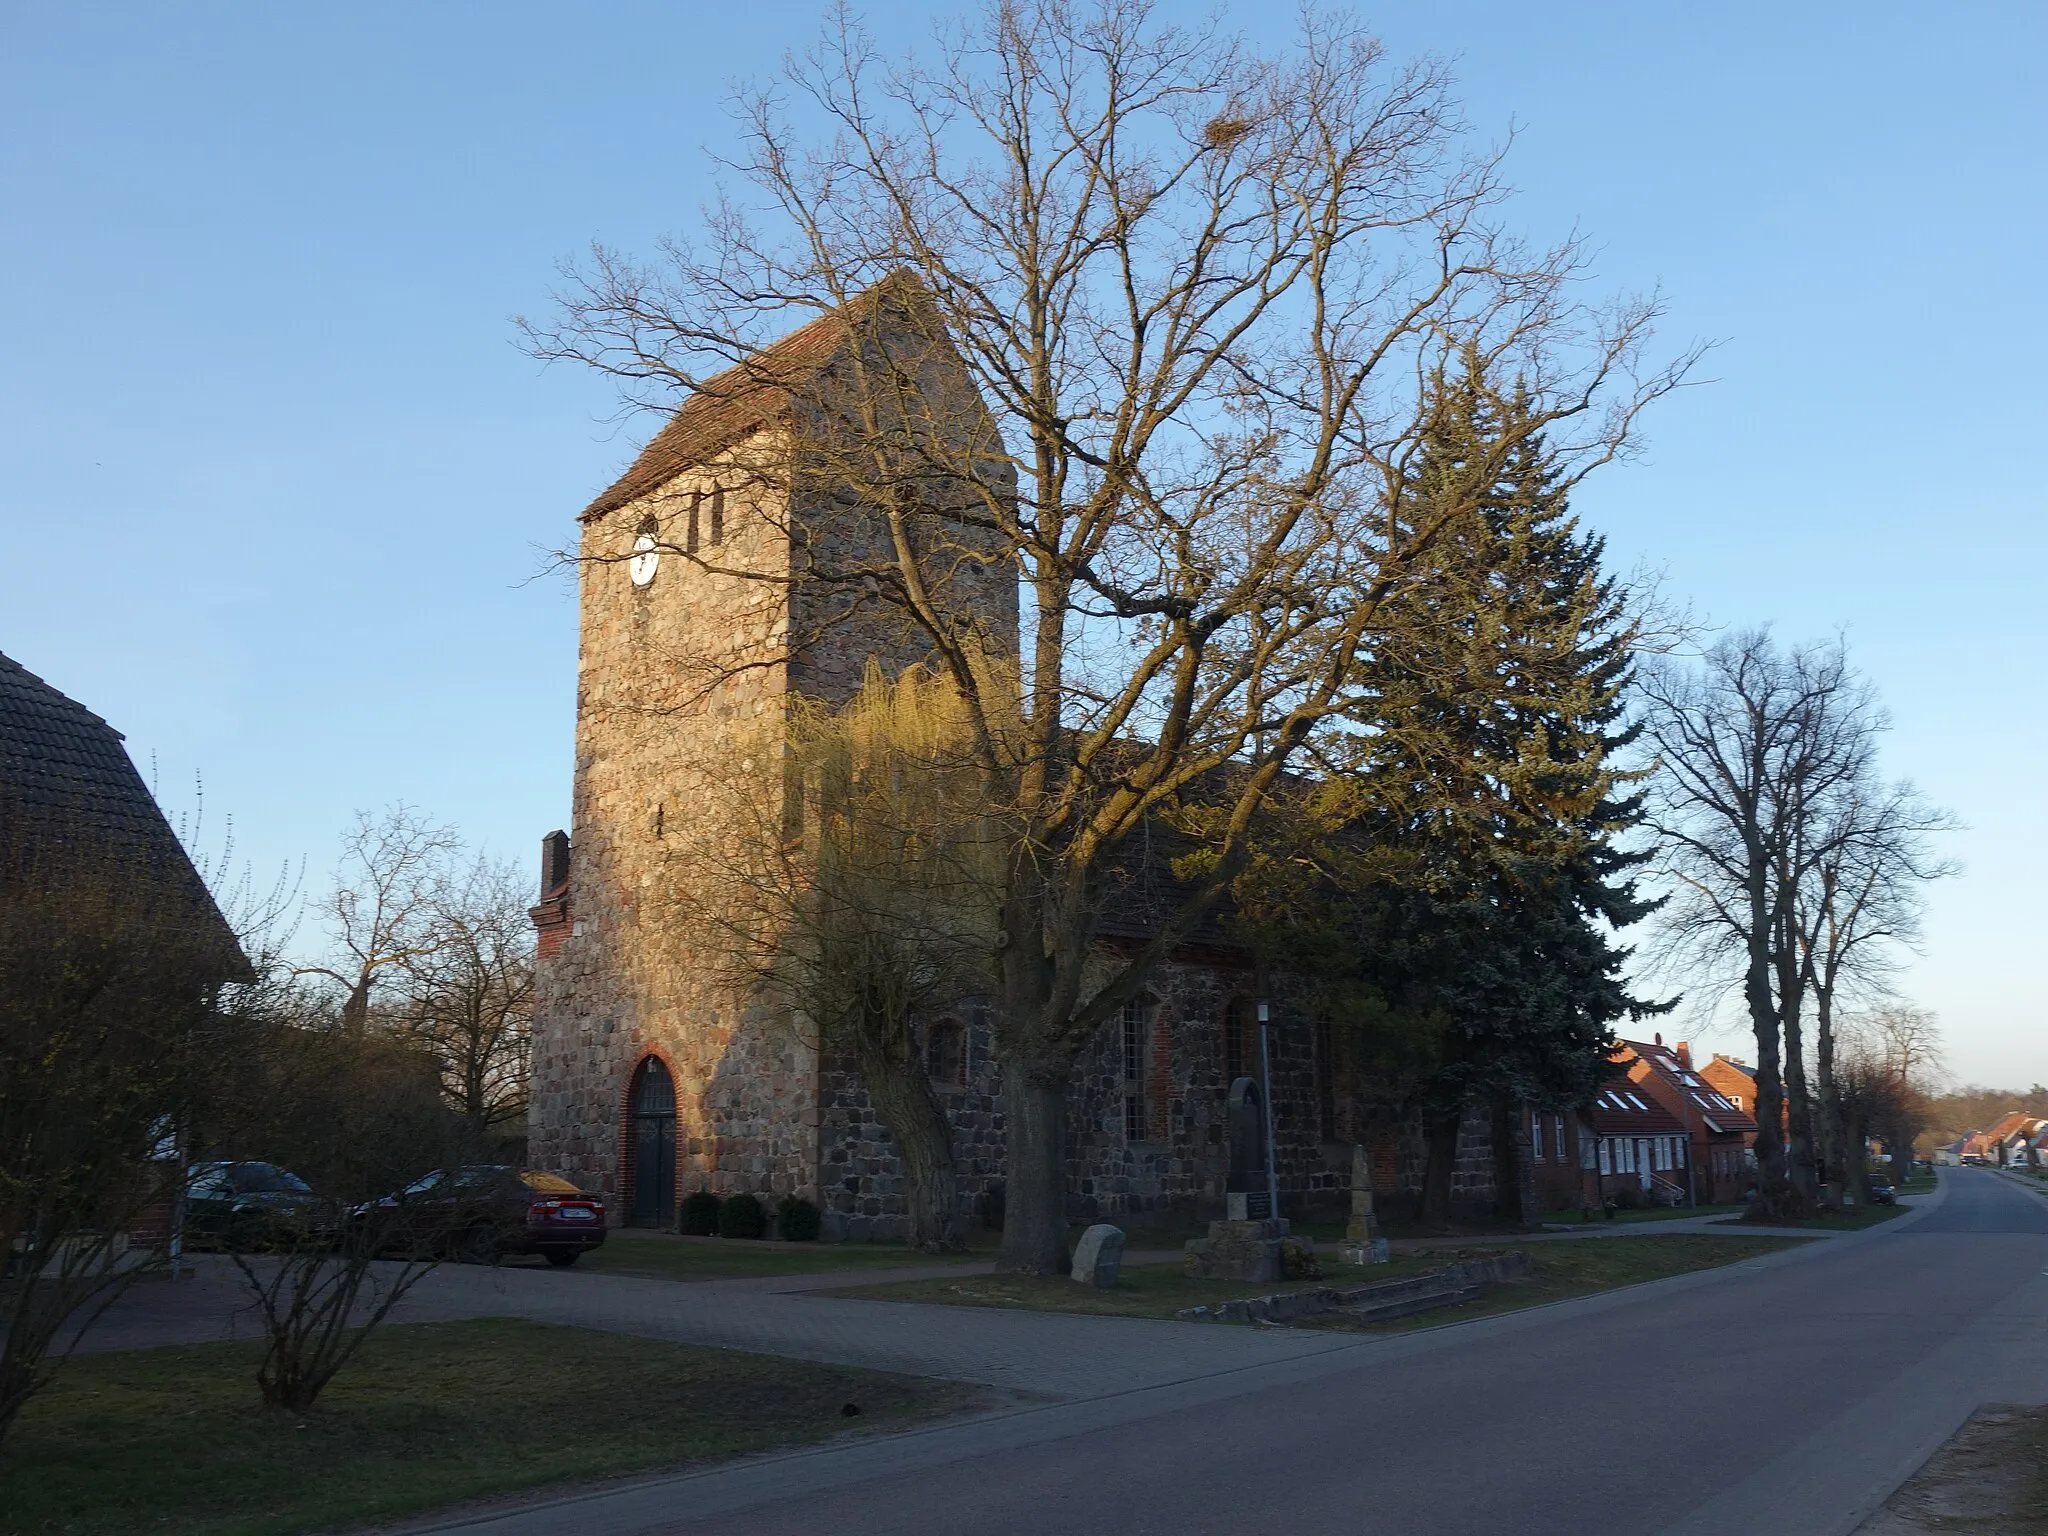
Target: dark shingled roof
68, 791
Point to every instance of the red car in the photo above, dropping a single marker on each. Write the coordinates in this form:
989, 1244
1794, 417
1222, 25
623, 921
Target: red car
481, 1214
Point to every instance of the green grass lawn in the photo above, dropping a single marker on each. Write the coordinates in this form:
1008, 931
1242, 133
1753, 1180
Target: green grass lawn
175, 1441
1563, 1268
1651, 1213
1145, 1290
1579, 1268
664, 1256
1840, 1221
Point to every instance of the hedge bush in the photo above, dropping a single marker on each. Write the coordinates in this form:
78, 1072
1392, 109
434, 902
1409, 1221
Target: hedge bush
742, 1216
797, 1220
699, 1215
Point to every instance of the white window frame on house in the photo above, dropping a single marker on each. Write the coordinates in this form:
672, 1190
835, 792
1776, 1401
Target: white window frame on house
1606, 1156
1536, 1137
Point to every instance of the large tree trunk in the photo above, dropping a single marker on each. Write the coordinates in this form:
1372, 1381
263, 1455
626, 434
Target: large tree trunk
1505, 1130
1035, 1203
1855, 1167
1773, 1200
1798, 1100
1835, 1151
902, 1096
1440, 1134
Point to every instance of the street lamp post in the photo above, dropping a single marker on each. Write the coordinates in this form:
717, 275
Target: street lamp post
1266, 1075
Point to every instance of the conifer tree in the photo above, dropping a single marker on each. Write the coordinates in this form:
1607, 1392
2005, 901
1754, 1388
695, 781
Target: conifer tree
1463, 854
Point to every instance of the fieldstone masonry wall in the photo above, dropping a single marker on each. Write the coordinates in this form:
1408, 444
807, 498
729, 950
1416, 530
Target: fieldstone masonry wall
686, 678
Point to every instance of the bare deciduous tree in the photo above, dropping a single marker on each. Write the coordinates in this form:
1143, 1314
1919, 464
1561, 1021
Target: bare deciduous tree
466, 992
1755, 750
1198, 288
357, 1114
381, 910
1858, 907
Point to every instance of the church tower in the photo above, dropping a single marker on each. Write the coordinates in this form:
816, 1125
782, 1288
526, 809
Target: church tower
716, 583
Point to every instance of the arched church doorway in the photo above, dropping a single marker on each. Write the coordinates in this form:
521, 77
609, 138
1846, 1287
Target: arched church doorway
652, 1154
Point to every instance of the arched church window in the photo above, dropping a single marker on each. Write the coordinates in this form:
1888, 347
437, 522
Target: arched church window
1140, 1095
1240, 1044
945, 1054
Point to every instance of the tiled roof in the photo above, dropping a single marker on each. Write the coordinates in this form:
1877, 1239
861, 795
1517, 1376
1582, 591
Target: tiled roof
1720, 1114
68, 789
2007, 1124
743, 397
1622, 1109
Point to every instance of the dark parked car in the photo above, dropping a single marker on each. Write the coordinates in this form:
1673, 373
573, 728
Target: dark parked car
248, 1205
1881, 1193
479, 1214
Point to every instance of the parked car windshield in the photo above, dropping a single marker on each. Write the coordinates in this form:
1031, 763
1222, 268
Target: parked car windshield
263, 1179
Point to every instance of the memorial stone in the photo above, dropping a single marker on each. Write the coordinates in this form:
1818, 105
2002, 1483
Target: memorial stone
1099, 1257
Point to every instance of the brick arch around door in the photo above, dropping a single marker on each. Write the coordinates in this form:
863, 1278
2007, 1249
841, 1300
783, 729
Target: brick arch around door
647, 1154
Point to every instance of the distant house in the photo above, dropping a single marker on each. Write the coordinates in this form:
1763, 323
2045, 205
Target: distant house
1734, 1079
2009, 1134
1951, 1153
1720, 1133
2016, 1147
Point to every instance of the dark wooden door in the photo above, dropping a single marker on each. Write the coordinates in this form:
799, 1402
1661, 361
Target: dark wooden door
654, 1147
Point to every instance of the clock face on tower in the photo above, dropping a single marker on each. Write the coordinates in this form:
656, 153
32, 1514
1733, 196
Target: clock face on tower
646, 556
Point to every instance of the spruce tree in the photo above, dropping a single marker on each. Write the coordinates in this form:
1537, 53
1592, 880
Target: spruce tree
1456, 880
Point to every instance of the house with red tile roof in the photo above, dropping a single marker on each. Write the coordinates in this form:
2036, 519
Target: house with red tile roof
1641, 1150
1720, 1133
2012, 1139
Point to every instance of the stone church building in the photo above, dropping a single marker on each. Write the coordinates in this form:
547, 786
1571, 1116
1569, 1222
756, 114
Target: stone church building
700, 622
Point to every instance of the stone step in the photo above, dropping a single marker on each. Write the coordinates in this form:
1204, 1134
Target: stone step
1381, 1301
1426, 1298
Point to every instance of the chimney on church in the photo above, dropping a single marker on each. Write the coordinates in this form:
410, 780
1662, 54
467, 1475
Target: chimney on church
554, 863
551, 920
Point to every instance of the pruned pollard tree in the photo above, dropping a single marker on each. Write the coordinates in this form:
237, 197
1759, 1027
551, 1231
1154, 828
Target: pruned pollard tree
863, 901
1199, 286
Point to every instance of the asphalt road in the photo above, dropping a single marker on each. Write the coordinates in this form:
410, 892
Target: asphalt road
1786, 1397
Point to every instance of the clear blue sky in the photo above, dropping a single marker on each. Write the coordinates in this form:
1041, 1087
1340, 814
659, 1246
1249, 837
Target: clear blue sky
275, 484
